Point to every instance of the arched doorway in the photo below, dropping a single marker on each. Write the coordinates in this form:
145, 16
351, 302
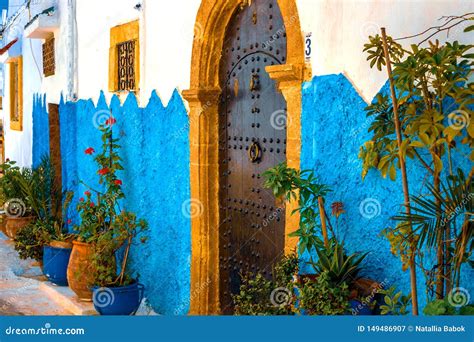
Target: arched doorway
214, 19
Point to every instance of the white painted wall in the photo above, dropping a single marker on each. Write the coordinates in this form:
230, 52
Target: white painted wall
339, 29
18, 144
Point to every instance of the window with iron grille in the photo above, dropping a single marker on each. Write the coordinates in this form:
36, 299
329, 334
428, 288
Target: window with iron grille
49, 62
126, 65
16, 93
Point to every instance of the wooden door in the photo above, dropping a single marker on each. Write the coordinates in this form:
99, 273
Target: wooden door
252, 139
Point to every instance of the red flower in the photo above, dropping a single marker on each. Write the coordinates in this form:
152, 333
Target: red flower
92, 205
81, 199
104, 171
111, 121
118, 182
87, 193
89, 151
69, 221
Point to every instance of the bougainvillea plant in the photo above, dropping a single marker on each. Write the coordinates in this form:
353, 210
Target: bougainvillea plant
103, 223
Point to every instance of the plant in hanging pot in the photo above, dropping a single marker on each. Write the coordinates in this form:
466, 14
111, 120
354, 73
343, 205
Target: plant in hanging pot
18, 212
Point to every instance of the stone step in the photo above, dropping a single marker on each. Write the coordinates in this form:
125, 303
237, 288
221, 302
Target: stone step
66, 298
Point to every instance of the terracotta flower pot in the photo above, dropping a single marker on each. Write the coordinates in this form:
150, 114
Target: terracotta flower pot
14, 224
79, 272
3, 224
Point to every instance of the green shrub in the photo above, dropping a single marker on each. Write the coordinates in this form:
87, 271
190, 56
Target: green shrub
27, 242
323, 297
261, 296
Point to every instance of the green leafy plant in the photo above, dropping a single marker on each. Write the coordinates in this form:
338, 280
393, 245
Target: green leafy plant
443, 210
442, 307
103, 223
433, 93
27, 242
257, 295
16, 202
290, 184
395, 302
322, 297
340, 267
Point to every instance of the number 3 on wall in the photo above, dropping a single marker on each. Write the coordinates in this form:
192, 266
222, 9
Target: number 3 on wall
308, 46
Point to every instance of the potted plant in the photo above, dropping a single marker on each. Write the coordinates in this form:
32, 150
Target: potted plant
104, 230
18, 212
339, 268
117, 294
57, 246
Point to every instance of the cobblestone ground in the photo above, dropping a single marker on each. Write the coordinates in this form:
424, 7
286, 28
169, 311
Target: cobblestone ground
19, 286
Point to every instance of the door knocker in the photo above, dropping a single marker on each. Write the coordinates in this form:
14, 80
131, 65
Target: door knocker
255, 152
254, 82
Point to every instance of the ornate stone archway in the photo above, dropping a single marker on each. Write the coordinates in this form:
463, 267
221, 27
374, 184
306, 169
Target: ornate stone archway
203, 98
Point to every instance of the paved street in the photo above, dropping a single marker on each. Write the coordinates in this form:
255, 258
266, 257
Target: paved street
20, 293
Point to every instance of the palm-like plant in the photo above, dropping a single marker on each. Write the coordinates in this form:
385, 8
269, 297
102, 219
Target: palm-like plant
444, 214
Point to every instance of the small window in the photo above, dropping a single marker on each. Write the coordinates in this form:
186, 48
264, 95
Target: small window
49, 60
126, 65
16, 94
124, 58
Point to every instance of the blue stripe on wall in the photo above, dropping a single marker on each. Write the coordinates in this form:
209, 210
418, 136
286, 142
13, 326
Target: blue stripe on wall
40, 129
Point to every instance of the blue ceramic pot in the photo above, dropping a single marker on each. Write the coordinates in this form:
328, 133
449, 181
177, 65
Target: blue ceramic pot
359, 309
117, 301
55, 263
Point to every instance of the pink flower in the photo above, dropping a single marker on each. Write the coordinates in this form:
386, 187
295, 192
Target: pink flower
69, 221
118, 182
87, 193
92, 205
81, 199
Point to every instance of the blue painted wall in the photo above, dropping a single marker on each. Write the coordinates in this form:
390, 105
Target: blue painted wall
155, 152
40, 129
334, 127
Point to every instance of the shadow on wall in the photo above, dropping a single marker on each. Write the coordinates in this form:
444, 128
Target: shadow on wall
334, 127
155, 151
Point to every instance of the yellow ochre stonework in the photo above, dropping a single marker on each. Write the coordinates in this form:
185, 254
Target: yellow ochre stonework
203, 95
120, 34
